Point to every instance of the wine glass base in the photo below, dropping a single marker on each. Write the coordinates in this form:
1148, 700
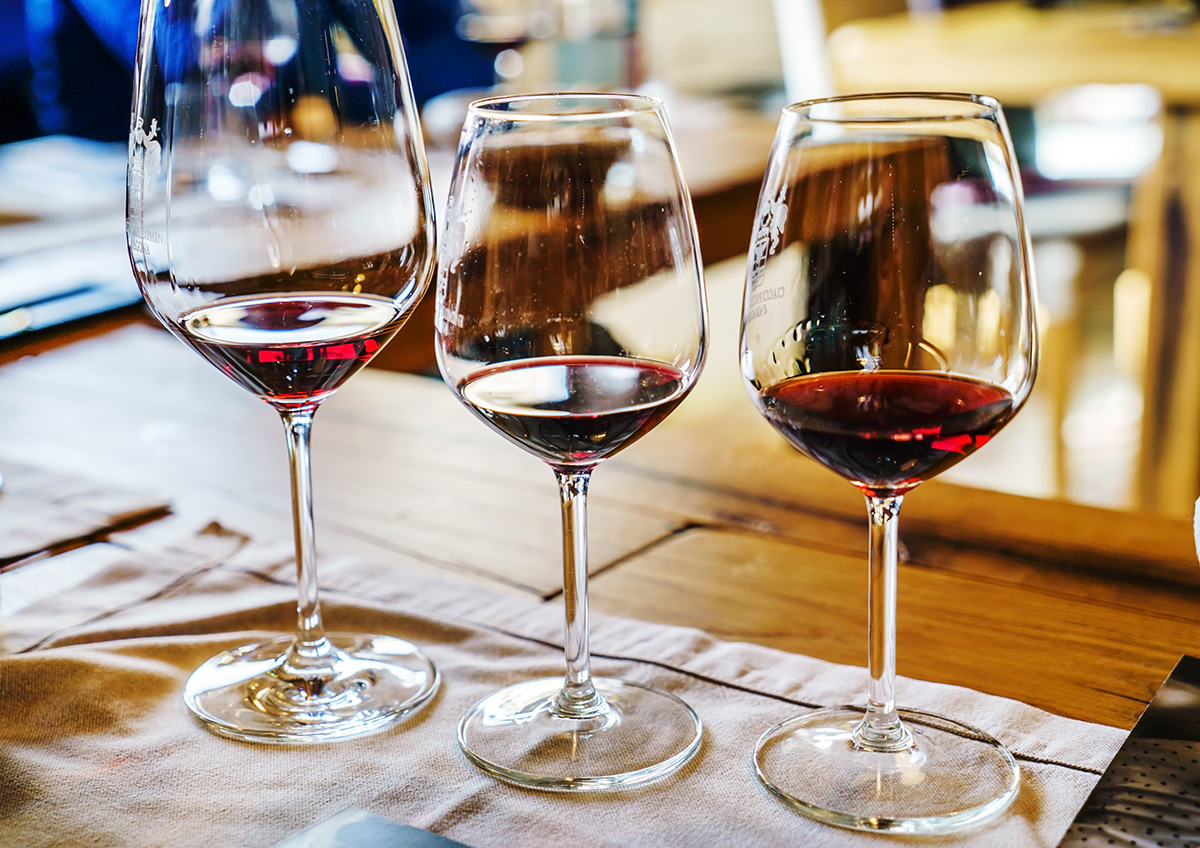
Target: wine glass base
640, 735
954, 776
249, 693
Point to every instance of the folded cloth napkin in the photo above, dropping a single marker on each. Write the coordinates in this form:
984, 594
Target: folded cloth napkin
96, 746
41, 510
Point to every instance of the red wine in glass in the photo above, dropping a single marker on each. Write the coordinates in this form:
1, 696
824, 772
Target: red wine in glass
573, 411
280, 222
292, 349
888, 333
886, 431
571, 320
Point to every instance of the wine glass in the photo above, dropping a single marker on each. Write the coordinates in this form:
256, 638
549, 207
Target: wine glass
571, 319
279, 223
887, 333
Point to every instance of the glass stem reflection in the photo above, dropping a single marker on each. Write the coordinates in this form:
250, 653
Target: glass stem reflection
881, 729
578, 698
310, 651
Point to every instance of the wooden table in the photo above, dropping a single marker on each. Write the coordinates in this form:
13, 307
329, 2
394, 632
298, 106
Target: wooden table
710, 521
1023, 55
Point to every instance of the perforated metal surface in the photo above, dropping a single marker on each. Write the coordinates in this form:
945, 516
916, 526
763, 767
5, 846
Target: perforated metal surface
1150, 794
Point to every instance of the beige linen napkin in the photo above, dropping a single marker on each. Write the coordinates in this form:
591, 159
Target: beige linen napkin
97, 748
40, 509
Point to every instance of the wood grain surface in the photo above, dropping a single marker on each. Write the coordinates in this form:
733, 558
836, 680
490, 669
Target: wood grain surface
710, 521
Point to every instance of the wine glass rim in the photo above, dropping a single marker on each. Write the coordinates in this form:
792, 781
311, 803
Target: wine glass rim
988, 107
626, 105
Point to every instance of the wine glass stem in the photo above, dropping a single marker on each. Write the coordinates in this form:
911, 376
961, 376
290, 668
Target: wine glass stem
578, 698
310, 649
881, 729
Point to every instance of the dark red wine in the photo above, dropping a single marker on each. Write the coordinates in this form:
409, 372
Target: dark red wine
573, 411
886, 431
292, 350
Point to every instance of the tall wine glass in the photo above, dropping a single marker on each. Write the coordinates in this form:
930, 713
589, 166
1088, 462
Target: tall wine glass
571, 320
887, 333
279, 222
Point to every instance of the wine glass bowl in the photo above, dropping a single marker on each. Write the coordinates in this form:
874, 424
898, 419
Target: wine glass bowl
280, 224
888, 333
571, 320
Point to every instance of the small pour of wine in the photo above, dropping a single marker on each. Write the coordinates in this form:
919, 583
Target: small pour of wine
292, 350
886, 431
573, 411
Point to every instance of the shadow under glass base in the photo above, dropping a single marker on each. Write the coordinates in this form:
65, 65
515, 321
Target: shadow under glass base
954, 776
640, 735
249, 693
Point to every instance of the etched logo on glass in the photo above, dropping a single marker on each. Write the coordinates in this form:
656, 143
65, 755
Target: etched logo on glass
145, 164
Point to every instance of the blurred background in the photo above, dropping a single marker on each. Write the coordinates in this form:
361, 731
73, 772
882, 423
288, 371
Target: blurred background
1103, 99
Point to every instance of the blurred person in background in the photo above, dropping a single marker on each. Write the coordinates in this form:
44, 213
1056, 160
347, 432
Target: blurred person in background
66, 66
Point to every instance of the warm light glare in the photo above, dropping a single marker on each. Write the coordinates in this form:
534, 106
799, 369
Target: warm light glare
940, 321
1131, 321
989, 335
